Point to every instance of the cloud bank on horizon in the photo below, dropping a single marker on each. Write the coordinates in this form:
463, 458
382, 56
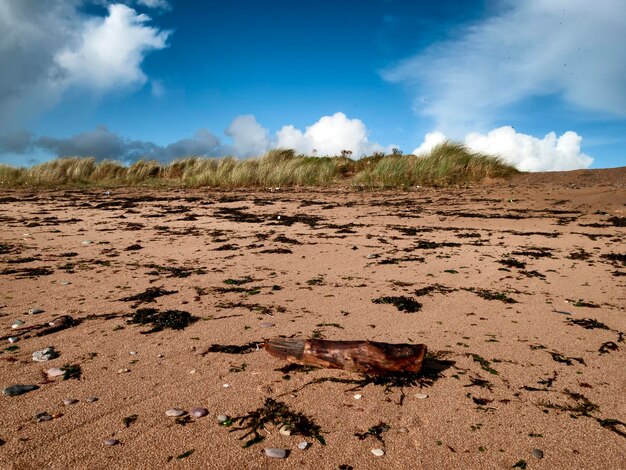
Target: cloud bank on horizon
563, 48
466, 85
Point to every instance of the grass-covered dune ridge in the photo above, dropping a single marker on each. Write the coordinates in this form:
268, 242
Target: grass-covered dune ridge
447, 164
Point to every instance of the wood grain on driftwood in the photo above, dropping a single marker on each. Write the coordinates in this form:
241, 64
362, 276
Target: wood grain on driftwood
367, 357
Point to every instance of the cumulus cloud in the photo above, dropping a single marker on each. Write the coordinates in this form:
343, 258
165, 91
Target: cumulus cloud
329, 136
431, 140
159, 4
568, 48
249, 137
525, 152
48, 46
111, 50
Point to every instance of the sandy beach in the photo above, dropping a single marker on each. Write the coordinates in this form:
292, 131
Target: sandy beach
519, 295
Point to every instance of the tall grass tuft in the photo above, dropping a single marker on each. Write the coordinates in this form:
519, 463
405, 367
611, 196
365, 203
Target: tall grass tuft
447, 164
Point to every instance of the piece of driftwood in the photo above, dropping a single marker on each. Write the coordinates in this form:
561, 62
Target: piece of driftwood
367, 357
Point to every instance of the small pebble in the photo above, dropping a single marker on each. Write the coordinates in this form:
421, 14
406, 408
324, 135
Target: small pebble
91, 399
303, 445
43, 416
192, 371
226, 385
70, 401
537, 453
86, 242
111, 442
199, 412
403, 430
123, 371
275, 453
378, 452
133, 353
44, 355
175, 412
34, 311
54, 372
13, 339
160, 355
18, 389
266, 324
17, 324
285, 430
358, 396
421, 396
222, 418
65, 283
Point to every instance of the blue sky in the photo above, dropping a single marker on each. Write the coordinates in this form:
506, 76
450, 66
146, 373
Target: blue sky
540, 83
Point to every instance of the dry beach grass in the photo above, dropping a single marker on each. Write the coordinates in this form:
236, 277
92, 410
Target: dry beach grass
516, 286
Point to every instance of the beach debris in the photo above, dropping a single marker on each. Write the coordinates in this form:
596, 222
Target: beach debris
266, 324
147, 296
358, 396
421, 396
367, 357
91, 399
18, 389
277, 413
378, 452
175, 412
35, 311
55, 372
128, 420
402, 303
199, 412
174, 319
303, 445
59, 323
537, 453
17, 323
222, 418
375, 431
43, 416
274, 452
608, 346
13, 339
71, 371
46, 354
69, 401
234, 348
285, 430
111, 442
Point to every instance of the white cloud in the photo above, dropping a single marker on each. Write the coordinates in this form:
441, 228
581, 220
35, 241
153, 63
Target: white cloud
525, 152
431, 140
249, 137
162, 4
111, 50
569, 48
329, 136
48, 46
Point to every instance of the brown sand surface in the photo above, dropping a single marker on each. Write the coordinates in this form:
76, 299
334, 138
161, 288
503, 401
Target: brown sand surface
501, 378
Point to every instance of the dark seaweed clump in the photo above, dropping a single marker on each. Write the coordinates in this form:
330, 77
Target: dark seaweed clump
588, 323
71, 371
490, 295
434, 288
173, 319
234, 348
375, 431
621, 257
618, 221
512, 263
276, 413
148, 295
402, 303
